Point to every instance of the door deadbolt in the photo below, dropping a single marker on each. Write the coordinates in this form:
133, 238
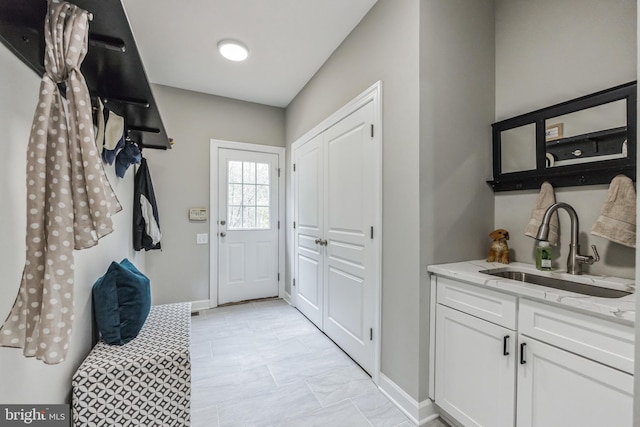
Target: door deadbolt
223, 222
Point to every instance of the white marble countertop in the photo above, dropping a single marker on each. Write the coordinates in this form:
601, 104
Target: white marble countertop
618, 308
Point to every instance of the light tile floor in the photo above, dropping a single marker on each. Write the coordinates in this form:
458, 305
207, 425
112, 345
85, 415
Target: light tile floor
264, 364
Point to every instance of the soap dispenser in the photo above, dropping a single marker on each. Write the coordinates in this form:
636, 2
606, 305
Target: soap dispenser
543, 256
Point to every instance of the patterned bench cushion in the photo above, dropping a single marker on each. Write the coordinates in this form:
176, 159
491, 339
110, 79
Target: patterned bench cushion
144, 382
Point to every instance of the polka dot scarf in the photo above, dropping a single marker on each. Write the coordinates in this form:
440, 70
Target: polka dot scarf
69, 200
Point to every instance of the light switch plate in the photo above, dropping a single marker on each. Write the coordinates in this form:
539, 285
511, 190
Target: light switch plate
202, 238
197, 214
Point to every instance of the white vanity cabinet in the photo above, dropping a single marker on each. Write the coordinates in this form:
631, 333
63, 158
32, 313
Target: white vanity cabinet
574, 370
475, 358
503, 360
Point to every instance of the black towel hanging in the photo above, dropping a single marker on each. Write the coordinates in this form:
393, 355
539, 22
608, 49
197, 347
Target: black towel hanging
146, 221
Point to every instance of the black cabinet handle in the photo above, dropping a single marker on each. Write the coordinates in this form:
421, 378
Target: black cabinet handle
522, 359
505, 345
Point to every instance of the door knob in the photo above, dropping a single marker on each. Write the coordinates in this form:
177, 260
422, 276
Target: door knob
223, 234
318, 241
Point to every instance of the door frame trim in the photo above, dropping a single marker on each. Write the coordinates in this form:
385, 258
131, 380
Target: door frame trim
215, 145
372, 94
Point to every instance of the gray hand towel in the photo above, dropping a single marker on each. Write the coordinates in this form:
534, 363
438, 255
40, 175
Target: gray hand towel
546, 198
617, 220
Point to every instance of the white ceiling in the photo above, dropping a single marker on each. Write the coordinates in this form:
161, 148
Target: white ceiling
288, 42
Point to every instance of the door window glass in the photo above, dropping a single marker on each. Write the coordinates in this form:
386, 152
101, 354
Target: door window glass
248, 196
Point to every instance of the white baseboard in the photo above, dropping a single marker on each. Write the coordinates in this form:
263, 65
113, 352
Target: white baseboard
427, 412
420, 413
287, 297
200, 305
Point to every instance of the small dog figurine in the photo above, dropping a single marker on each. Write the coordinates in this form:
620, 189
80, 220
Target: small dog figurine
499, 251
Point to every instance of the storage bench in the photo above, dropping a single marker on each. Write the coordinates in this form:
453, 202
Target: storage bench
146, 382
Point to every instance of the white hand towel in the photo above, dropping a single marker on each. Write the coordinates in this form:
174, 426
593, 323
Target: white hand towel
114, 129
617, 220
546, 198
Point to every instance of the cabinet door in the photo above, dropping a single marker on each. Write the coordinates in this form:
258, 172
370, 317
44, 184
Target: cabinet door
475, 369
558, 388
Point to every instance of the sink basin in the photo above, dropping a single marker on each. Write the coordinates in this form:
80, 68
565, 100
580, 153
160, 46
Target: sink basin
550, 282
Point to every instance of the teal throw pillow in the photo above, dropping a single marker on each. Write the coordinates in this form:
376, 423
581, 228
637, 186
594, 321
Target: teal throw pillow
121, 302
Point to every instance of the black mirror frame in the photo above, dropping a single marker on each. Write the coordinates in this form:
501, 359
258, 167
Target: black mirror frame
601, 172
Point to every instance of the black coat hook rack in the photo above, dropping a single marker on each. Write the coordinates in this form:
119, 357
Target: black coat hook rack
112, 68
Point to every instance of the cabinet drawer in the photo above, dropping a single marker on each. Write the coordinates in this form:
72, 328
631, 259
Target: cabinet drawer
602, 340
484, 303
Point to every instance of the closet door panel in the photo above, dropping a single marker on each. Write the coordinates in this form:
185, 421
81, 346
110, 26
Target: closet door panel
308, 215
345, 186
349, 304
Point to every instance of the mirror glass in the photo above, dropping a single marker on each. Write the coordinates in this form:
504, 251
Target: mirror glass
518, 148
589, 135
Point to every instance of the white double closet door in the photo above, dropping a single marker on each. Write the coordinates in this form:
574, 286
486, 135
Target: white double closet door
335, 212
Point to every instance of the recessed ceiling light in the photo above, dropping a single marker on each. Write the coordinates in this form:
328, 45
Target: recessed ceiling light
233, 50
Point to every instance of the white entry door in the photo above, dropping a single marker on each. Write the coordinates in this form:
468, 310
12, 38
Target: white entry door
335, 212
248, 225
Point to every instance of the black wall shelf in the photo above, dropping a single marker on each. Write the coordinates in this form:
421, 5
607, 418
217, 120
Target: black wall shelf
112, 68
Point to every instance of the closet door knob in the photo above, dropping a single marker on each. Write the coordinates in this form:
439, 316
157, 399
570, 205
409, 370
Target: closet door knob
319, 241
223, 234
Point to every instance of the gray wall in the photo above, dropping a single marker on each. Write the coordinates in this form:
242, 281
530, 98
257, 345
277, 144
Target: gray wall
180, 272
549, 51
384, 46
456, 108
28, 380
